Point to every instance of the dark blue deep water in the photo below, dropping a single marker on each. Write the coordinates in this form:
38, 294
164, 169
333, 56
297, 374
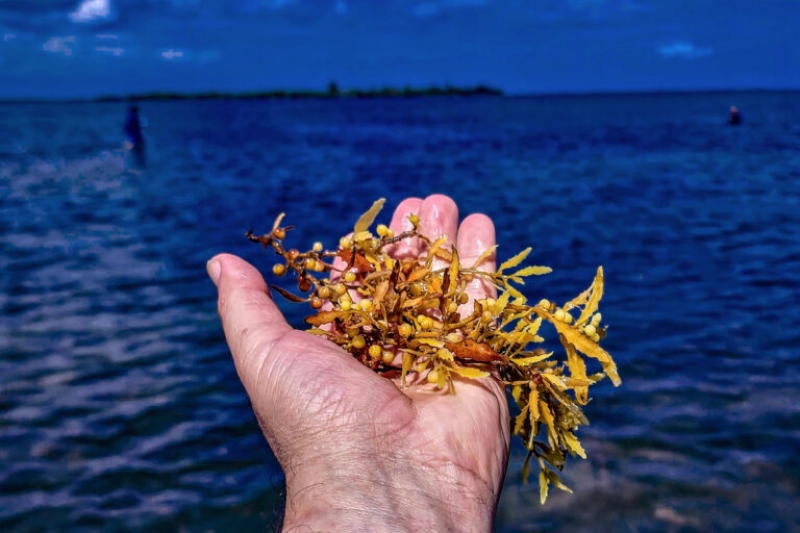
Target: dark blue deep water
119, 405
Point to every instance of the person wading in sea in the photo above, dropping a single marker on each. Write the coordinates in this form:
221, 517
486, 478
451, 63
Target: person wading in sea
134, 140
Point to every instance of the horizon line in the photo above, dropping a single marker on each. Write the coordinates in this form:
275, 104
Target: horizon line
386, 92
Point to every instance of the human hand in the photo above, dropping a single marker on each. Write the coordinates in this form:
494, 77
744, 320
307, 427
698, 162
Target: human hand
359, 453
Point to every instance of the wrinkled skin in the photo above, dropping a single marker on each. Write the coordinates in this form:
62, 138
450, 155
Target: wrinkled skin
359, 453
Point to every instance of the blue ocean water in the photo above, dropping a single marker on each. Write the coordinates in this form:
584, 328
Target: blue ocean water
119, 405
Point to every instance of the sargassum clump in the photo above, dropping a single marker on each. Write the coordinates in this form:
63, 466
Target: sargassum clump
405, 315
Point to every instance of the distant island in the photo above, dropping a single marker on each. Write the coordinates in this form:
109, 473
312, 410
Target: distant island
332, 92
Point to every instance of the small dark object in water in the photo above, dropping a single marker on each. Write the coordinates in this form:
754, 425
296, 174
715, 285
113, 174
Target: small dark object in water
735, 118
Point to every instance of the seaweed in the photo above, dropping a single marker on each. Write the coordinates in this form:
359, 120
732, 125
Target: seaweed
408, 317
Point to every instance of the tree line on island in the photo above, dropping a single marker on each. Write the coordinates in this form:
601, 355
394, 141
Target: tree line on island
333, 91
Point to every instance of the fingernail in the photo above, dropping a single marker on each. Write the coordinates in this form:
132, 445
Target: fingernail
214, 270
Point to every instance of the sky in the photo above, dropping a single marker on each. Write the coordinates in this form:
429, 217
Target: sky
88, 48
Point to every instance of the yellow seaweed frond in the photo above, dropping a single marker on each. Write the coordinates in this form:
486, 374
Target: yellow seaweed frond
365, 221
573, 444
514, 261
531, 271
469, 372
595, 293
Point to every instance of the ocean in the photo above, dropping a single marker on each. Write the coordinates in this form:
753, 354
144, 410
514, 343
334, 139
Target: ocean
120, 409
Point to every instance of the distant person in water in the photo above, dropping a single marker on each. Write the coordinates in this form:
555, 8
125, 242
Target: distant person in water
735, 118
134, 140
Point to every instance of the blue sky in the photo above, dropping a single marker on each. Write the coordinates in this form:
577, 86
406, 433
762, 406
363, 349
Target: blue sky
80, 48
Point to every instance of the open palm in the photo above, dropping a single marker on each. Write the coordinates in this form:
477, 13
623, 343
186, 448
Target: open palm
358, 452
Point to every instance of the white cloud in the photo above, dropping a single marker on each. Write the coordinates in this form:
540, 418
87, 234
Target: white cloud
199, 57
109, 50
684, 49
60, 45
90, 10
172, 54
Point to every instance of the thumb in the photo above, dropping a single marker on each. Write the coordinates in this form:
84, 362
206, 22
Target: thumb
251, 320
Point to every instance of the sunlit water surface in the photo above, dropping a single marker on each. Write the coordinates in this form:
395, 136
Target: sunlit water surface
119, 405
